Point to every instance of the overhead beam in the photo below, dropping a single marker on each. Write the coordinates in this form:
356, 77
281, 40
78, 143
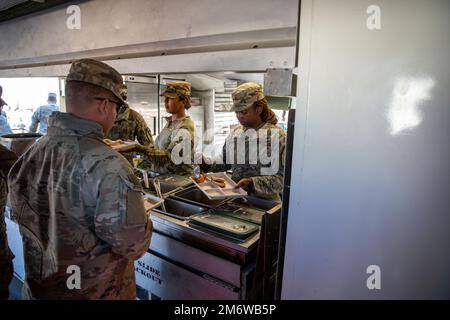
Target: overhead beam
272, 38
249, 60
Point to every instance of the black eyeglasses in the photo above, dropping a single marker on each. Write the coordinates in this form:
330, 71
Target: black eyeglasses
118, 103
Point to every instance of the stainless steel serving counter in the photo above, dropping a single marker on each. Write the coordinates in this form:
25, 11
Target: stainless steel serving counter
235, 251
186, 261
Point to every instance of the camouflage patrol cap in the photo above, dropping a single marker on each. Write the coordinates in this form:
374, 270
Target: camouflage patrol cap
246, 95
97, 73
177, 89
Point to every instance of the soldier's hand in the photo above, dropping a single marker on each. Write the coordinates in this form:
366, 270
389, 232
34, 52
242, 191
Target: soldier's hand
244, 183
135, 148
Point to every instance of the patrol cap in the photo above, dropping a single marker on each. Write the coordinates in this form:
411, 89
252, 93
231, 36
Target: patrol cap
246, 95
51, 96
97, 73
177, 89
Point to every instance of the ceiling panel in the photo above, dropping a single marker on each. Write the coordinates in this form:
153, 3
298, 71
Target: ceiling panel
11, 9
6, 4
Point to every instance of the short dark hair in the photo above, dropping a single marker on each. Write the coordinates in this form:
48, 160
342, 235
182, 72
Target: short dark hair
79, 94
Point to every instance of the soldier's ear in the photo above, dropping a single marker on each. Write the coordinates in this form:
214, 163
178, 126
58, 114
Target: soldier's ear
259, 110
102, 107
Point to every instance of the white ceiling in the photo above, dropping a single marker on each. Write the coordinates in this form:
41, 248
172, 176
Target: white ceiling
214, 80
6, 4
240, 76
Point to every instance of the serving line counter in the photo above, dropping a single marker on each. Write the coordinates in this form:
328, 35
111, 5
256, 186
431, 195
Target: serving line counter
187, 260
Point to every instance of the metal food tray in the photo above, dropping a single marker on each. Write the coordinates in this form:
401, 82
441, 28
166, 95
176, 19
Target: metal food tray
151, 201
179, 209
224, 225
166, 189
175, 179
196, 196
217, 233
241, 212
212, 191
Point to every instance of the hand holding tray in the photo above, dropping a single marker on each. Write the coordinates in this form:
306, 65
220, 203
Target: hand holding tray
120, 145
214, 190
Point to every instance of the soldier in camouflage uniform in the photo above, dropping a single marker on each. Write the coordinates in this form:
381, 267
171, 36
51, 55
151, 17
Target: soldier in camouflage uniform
254, 113
130, 125
41, 115
77, 202
177, 134
4, 125
7, 159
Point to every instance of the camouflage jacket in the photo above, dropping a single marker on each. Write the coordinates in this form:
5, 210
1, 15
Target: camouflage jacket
130, 125
176, 136
257, 162
79, 204
40, 116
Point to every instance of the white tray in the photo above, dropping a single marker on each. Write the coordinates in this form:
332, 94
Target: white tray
213, 192
151, 201
120, 146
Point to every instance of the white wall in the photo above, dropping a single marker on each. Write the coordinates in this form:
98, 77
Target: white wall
372, 137
109, 23
144, 29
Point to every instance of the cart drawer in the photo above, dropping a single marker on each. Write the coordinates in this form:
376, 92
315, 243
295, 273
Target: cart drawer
169, 281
